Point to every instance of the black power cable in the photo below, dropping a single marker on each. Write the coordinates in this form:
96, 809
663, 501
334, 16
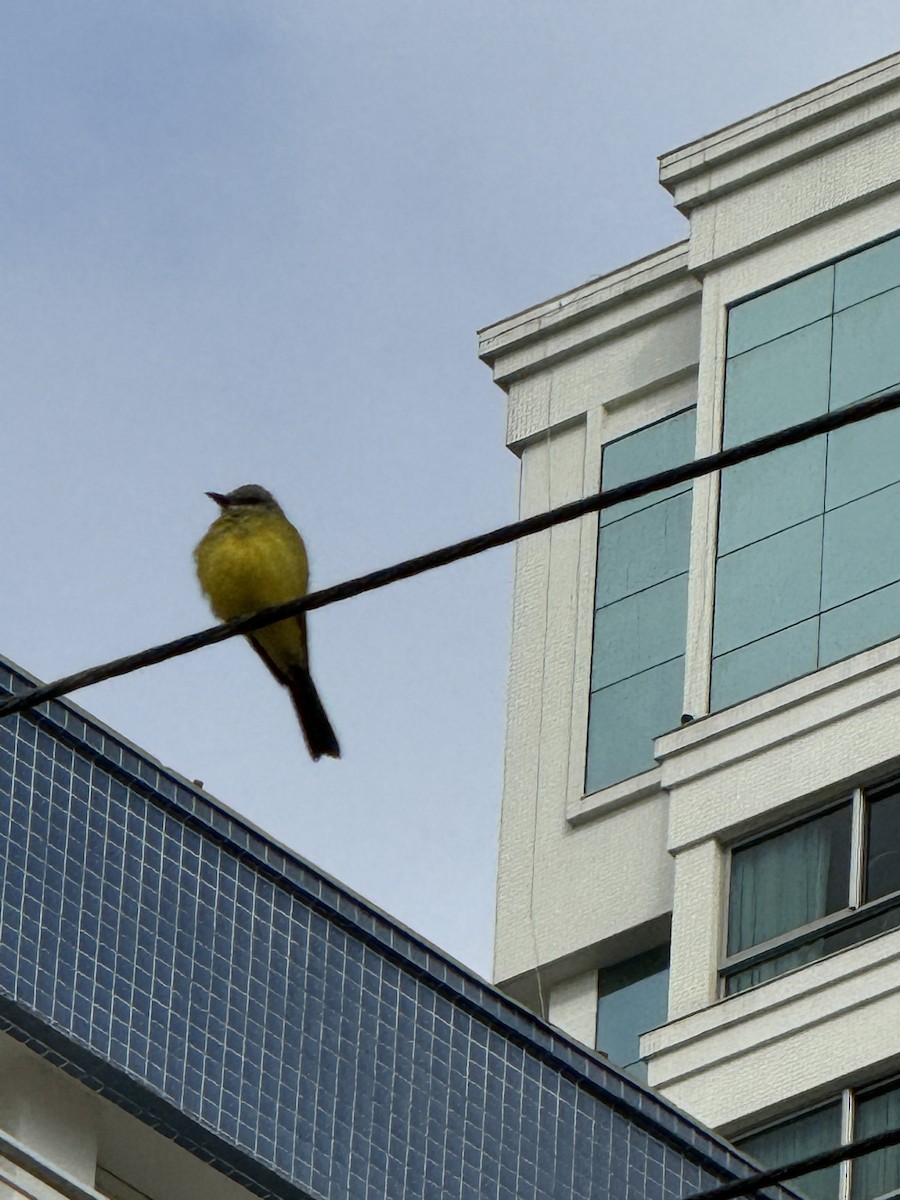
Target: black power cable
502, 536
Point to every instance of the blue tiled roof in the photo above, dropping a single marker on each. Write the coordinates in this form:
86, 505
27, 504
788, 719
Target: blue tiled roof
164, 951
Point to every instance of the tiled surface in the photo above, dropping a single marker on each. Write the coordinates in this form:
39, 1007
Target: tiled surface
179, 963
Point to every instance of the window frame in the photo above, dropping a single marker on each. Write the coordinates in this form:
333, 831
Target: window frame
637, 1067
719, 299
855, 912
849, 1099
605, 521
843, 1101
726, 307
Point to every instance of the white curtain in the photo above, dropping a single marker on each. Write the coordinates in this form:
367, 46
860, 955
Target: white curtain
776, 886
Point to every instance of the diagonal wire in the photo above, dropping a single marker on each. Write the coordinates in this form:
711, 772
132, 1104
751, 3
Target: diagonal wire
467, 548
753, 1184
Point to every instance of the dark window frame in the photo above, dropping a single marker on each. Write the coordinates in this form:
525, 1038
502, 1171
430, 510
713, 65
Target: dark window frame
662, 954
857, 911
849, 1099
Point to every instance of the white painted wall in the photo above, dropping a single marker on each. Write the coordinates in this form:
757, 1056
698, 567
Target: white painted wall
565, 888
48, 1112
584, 880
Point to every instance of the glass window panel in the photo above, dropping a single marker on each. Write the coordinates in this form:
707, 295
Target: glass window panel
778, 964
644, 549
790, 879
767, 586
876, 1174
859, 624
770, 493
633, 998
803, 1136
780, 311
883, 843
866, 354
861, 547
863, 458
867, 273
778, 384
625, 718
765, 664
639, 632
861, 930
668, 443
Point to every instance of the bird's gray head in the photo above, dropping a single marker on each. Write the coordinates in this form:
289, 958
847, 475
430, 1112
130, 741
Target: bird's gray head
248, 495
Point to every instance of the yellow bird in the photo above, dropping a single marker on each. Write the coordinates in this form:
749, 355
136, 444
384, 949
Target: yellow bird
252, 557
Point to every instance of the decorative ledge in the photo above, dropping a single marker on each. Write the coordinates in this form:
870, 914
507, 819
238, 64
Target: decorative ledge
631, 294
785, 1038
855, 679
799, 127
619, 795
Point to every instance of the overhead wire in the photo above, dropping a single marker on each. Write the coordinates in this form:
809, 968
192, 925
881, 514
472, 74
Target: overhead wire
456, 552
751, 1185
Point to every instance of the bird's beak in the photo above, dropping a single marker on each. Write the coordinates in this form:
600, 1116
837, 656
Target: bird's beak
221, 500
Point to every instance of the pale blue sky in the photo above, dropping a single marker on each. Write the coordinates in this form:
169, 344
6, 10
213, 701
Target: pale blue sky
252, 241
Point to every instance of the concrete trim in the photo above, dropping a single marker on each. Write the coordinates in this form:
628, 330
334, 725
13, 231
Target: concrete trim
20, 1156
628, 282
842, 108
617, 795
850, 675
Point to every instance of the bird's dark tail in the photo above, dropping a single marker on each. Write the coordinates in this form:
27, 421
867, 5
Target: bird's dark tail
320, 737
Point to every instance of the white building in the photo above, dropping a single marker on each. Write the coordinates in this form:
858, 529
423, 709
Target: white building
700, 836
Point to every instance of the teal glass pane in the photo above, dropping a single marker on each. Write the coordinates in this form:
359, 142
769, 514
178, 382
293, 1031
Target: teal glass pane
801, 1138
863, 458
767, 586
764, 665
668, 443
877, 1174
626, 717
778, 384
643, 549
766, 494
867, 273
866, 355
861, 547
639, 631
780, 311
633, 999
859, 624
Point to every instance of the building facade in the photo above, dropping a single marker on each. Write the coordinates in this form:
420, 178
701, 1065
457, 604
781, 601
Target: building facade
189, 1011
700, 840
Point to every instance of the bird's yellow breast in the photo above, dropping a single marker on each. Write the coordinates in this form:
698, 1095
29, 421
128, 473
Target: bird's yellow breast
248, 562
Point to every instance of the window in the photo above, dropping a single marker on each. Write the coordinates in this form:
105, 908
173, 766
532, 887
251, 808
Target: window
808, 567
800, 1137
855, 1115
637, 671
815, 887
633, 998
808, 549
